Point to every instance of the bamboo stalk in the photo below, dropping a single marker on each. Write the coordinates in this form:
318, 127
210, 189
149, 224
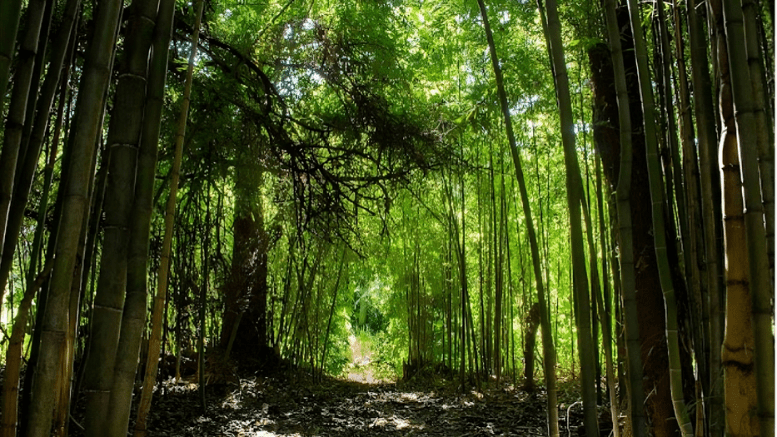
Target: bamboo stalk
152, 362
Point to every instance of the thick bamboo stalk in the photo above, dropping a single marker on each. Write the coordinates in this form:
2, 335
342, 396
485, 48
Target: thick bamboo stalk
765, 125
761, 283
122, 144
134, 317
94, 84
737, 357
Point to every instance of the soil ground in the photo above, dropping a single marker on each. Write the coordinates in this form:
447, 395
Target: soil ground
291, 404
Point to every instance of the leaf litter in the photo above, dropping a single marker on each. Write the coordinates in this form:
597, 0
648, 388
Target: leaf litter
291, 403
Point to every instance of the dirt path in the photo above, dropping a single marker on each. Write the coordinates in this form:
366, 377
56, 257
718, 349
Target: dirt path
290, 406
361, 368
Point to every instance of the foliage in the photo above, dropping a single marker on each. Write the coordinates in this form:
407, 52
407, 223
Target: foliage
364, 144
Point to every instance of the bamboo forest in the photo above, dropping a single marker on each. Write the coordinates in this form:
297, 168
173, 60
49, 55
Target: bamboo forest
387, 218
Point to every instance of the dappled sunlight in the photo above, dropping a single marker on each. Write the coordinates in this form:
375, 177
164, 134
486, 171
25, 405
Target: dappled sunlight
292, 405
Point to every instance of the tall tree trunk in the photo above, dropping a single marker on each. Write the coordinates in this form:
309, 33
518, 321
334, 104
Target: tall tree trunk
531, 322
152, 362
549, 352
248, 277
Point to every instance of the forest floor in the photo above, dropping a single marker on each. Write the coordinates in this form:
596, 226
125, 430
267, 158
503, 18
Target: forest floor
292, 404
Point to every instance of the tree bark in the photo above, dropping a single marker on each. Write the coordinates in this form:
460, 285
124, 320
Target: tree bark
246, 291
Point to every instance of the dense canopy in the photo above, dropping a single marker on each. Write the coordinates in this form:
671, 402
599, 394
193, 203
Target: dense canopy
389, 190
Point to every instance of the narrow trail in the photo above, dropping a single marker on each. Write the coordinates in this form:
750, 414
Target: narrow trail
361, 368
292, 405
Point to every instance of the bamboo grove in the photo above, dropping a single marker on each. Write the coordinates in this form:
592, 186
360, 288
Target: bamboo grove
223, 187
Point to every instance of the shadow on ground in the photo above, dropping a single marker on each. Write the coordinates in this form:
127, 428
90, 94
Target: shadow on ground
292, 404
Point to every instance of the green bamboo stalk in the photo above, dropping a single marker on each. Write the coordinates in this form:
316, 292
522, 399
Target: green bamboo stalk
203, 296
17, 113
28, 163
763, 121
605, 308
710, 207
700, 315
547, 339
574, 199
13, 358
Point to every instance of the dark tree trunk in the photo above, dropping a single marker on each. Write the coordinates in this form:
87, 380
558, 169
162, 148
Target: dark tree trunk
244, 322
651, 321
246, 291
532, 323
